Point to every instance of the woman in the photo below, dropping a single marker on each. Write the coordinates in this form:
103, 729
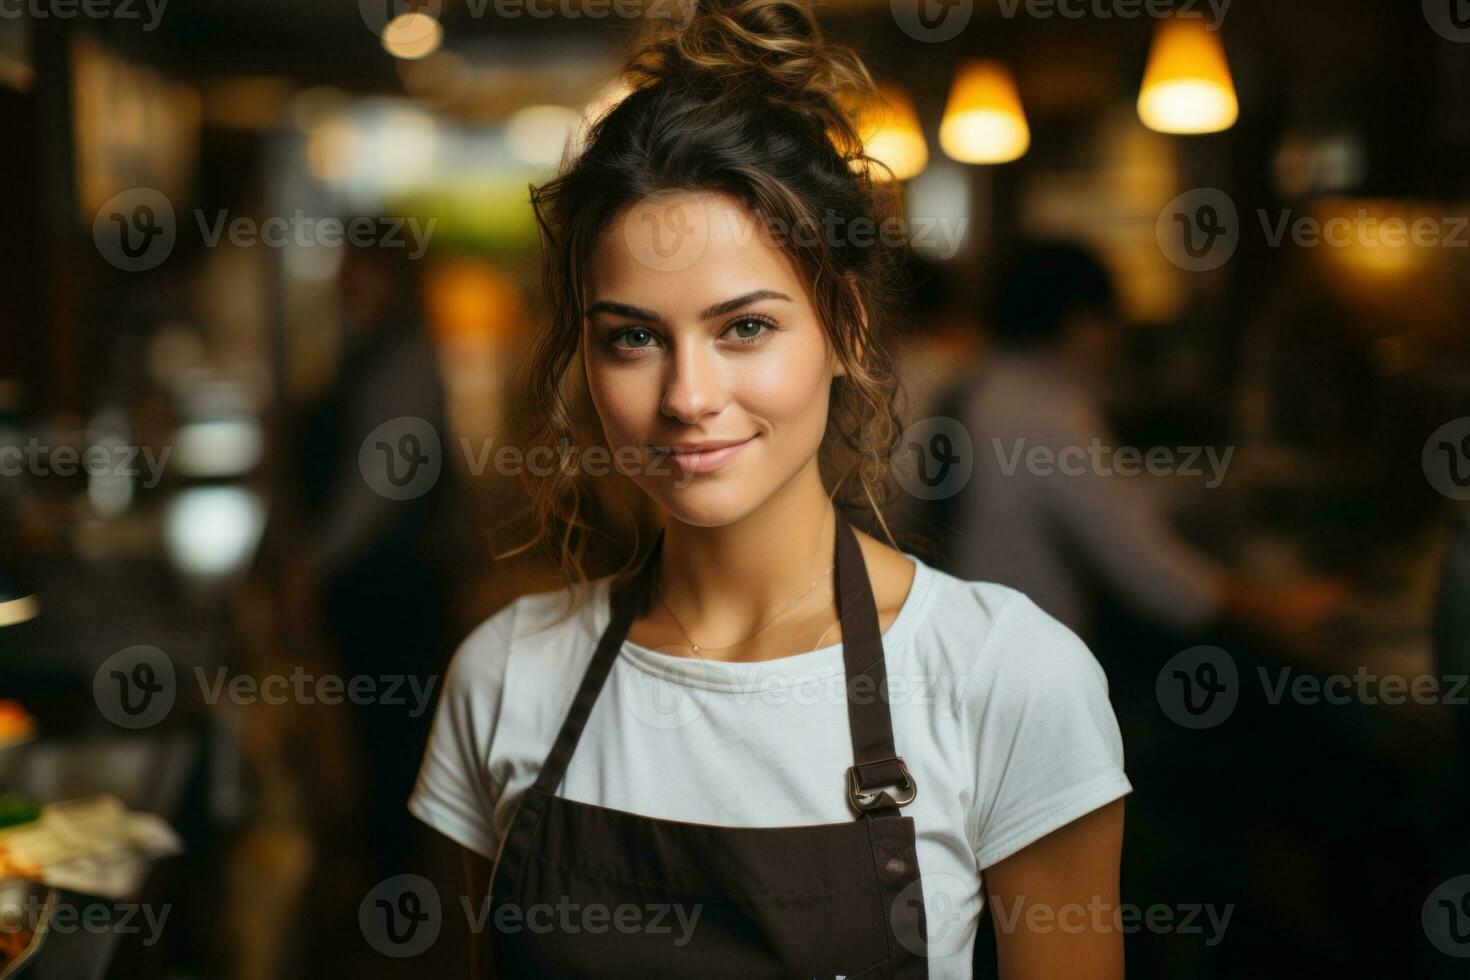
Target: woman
778, 747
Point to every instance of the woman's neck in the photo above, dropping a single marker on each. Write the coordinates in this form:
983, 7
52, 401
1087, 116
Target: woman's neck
726, 581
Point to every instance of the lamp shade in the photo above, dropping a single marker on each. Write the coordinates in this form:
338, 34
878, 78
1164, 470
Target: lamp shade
983, 120
1187, 86
891, 135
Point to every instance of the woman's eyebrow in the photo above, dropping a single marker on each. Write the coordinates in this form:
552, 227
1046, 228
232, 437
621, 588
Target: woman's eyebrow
729, 305
621, 309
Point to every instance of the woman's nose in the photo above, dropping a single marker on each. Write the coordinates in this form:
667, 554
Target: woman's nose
694, 387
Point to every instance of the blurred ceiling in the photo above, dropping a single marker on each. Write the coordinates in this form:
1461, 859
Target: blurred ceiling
331, 41
1368, 64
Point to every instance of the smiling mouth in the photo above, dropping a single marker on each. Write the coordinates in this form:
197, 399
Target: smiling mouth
703, 459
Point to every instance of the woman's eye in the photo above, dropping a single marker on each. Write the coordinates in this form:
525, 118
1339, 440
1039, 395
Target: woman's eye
748, 329
633, 337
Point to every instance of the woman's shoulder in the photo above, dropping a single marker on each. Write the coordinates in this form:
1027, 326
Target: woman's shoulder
988, 605
998, 633
919, 598
974, 607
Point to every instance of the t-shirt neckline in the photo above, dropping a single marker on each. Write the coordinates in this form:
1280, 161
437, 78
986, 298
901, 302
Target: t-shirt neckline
725, 675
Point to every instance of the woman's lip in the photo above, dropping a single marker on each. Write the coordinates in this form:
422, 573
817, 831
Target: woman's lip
708, 460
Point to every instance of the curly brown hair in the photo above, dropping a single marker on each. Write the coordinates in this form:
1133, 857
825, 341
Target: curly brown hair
744, 98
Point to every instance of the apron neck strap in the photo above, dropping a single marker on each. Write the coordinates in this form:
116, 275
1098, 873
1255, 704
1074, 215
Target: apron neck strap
626, 605
876, 763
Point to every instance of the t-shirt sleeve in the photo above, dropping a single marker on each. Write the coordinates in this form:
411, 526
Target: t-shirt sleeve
456, 792
1048, 749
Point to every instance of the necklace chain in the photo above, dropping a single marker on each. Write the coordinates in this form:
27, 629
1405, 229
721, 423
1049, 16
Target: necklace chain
783, 611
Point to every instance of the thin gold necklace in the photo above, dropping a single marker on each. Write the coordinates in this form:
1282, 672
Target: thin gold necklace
783, 611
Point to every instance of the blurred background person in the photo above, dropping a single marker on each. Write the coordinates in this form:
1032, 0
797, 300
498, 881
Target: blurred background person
364, 561
1070, 530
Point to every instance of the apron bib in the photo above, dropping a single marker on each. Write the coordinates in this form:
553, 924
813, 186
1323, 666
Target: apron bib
581, 890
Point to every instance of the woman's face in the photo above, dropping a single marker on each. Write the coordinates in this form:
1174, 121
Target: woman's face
704, 356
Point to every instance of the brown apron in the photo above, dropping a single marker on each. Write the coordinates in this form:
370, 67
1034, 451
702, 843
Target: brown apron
582, 890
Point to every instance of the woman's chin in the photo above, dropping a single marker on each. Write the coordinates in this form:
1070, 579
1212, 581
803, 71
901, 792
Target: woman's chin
706, 504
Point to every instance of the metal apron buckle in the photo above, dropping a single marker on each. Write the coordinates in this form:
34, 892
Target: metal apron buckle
873, 799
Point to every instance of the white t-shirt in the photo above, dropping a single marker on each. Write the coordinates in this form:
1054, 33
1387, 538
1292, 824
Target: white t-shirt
1000, 712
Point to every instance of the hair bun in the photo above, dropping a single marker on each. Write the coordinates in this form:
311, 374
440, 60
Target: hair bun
771, 49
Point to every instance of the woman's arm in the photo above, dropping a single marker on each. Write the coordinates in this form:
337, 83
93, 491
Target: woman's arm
477, 871
1054, 902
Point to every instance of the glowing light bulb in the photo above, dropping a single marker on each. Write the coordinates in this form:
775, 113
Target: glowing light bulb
412, 36
1186, 86
983, 120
